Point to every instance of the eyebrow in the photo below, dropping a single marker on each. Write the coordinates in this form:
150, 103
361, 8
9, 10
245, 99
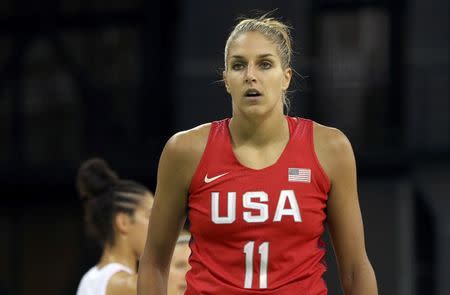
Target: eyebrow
259, 56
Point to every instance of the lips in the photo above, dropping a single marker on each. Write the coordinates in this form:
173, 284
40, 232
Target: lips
252, 92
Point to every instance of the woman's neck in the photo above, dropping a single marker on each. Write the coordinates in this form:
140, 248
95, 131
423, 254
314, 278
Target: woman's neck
259, 131
117, 254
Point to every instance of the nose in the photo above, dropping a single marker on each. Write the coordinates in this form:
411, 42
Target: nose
250, 74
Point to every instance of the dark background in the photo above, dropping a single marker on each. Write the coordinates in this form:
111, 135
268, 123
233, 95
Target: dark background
116, 79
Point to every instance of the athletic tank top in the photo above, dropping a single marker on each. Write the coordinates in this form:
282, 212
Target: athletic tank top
95, 281
258, 231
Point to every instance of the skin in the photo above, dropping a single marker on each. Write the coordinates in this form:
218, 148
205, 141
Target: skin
254, 63
130, 233
343, 212
259, 134
178, 268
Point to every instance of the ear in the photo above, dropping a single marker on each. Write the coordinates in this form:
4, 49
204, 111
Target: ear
122, 222
224, 76
287, 78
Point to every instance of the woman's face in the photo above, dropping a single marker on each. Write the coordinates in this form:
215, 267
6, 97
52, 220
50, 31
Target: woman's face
254, 77
139, 226
178, 269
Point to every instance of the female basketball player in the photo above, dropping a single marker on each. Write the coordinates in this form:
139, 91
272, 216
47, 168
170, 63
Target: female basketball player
116, 213
257, 188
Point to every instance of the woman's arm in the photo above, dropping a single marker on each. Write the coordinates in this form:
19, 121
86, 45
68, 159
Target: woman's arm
176, 167
343, 212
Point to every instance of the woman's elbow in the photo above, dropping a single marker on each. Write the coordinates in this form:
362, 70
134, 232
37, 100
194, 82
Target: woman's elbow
359, 279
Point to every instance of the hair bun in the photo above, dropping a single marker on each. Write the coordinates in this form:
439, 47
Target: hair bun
95, 177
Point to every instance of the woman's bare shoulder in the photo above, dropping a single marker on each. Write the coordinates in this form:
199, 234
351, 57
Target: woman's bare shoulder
332, 147
329, 137
190, 141
188, 145
182, 153
122, 283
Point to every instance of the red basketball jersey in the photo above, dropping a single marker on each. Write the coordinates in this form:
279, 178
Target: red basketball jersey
258, 231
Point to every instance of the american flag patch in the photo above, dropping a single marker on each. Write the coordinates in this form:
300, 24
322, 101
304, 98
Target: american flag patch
299, 175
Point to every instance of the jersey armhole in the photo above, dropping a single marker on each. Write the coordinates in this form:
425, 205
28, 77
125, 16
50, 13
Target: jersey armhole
324, 175
202, 159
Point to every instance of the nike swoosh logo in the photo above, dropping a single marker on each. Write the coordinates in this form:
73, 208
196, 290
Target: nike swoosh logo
208, 180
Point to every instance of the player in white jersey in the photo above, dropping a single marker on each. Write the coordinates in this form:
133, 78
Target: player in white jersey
116, 214
179, 265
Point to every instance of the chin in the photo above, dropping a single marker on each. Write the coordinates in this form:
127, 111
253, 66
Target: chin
258, 112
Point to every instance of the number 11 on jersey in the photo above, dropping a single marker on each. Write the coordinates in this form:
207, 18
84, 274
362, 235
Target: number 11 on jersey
264, 253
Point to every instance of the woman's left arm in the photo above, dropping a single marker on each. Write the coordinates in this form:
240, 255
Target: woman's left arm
343, 212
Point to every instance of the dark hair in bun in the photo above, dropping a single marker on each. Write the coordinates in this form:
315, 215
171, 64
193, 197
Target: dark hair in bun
95, 177
104, 195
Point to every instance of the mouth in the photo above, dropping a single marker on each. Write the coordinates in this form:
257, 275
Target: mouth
252, 94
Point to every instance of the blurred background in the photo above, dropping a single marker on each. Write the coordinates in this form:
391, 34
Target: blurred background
116, 79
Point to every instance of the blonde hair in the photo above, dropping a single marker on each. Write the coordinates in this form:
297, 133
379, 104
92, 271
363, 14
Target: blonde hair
272, 29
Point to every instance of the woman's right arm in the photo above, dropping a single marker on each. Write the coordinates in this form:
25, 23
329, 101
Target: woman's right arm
177, 165
167, 217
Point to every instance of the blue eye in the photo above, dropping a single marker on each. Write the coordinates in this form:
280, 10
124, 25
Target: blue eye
237, 66
265, 65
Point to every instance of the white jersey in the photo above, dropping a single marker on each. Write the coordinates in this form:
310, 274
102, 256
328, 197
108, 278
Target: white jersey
95, 281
